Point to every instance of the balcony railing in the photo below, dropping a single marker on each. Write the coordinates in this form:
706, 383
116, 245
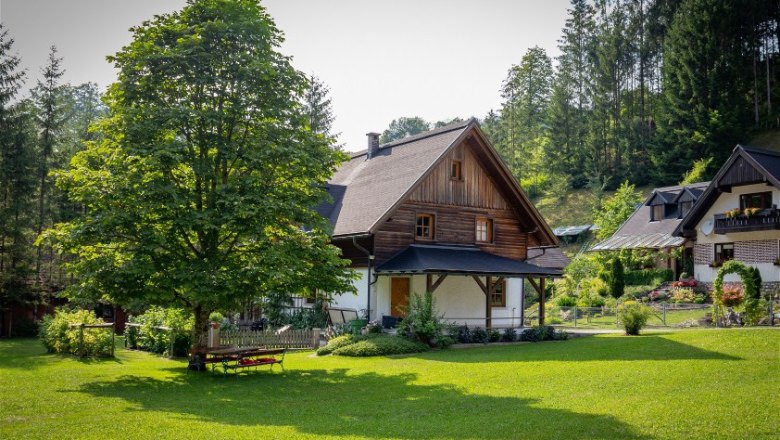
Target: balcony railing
763, 220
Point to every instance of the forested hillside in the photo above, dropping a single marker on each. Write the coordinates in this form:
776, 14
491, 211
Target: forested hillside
641, 89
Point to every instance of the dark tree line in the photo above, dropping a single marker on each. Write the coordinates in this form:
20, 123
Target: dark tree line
641, 89
39, 133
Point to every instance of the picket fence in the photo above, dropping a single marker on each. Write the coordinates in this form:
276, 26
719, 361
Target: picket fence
271, 339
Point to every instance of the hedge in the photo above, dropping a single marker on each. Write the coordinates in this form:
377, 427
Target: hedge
647, 276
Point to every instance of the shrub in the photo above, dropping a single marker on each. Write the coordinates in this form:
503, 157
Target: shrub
338, 342
683, 295
510, 335
590, 299
543, 333
423, 323
494, 335
380, 346
375, 328
463, 334
479, 335
647, 276
530, 335
58, 336
565, 301
634, 316
311, 317
158, 341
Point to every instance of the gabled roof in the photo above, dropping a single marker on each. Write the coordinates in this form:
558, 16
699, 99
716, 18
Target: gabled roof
638, 232
367, 191
463, 260
565, 231
763, 166
552, 258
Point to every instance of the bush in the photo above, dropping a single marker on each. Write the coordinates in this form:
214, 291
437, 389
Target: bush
565, 301
647, 276
380, 346
463, 334
634, 292
494, 335
683, 295
510, 335
58, 336
543, 333
634, 316
590, 299
338, 342
479, 335
422, 322
158, 341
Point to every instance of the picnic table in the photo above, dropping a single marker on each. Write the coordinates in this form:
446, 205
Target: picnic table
237, 358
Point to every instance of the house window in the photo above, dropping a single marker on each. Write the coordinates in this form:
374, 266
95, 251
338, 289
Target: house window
657, 213
498, 297
424, 228
761, 200
456, 170
685, 207
724, 252
484, 230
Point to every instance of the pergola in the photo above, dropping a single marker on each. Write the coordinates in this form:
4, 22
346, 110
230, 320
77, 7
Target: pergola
437, 262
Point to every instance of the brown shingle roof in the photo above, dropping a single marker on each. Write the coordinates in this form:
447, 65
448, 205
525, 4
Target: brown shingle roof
364, 190
551, 258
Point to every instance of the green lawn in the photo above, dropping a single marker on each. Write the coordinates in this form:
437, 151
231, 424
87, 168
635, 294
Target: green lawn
693, 384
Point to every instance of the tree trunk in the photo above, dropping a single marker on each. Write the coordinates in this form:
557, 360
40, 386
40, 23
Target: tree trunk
200, 329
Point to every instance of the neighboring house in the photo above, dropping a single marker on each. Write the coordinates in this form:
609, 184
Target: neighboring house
737, 216
575, 234
439, 212
653, 223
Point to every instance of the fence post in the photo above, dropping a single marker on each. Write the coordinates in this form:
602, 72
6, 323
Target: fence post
113, 337
575, 316
663, 307
772, 313
170, 343
81, 339
315, 338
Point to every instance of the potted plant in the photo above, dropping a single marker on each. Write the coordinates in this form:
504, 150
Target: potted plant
749, 212
732, 296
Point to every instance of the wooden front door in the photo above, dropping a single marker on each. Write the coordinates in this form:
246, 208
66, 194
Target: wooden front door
399, 296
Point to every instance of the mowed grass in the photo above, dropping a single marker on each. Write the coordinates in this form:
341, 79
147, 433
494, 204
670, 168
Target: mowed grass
693, 384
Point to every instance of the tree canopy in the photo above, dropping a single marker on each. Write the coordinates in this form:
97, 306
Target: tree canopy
200, 193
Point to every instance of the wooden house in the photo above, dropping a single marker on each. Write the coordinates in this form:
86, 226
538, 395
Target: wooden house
440, 212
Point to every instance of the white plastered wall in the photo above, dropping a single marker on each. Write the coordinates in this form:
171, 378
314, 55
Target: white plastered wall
725, 202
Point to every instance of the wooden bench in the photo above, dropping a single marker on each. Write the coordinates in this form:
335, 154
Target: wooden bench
254, 358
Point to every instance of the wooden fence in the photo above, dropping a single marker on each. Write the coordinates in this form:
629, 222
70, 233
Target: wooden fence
271, 339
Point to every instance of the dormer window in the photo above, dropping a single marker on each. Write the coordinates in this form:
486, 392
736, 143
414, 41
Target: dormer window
657, 213
685, 207
456, 170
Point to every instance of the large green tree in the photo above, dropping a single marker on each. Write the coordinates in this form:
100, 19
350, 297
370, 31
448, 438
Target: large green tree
317, 106
404, 127
201, 192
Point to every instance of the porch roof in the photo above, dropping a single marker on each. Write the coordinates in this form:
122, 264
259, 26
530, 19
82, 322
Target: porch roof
465, 260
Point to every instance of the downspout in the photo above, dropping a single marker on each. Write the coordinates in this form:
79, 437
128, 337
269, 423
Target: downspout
368, 275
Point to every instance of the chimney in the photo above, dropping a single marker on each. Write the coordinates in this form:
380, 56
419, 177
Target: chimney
373, 144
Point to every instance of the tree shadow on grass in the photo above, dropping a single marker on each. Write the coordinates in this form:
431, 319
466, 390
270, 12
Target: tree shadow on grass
634, 348
29, 353
337, 403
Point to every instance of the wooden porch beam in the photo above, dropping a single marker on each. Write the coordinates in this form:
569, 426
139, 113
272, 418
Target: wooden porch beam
481, 284
431, 285
541, 301
491, 287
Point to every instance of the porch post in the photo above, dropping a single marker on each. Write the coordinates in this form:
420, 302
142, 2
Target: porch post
541, 301
488, 302
522, 302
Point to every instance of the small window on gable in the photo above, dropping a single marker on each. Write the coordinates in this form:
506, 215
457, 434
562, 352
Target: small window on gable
761, 200
657, 213
456, 170
498, 297
724, 252
484, 230
424, 228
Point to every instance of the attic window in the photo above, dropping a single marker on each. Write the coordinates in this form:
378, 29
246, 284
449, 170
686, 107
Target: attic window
424, 229
456, 170
484, 230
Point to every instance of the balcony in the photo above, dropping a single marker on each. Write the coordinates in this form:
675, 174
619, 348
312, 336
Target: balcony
768, 219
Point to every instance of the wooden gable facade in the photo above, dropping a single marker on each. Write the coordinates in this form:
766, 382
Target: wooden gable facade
464, 186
